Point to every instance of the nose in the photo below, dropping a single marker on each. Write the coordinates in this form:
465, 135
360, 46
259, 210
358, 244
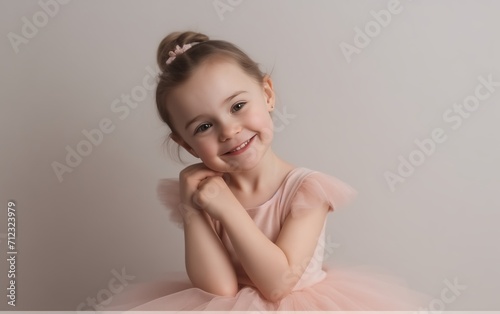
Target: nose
228, 130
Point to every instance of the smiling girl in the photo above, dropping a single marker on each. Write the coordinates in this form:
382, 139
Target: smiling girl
254, 224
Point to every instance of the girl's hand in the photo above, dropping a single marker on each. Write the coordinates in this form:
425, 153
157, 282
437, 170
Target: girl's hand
214, 197
189, 182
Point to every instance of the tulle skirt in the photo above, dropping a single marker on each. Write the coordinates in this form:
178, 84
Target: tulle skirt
343, 289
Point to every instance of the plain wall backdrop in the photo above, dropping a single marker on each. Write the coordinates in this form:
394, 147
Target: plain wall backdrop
408, 95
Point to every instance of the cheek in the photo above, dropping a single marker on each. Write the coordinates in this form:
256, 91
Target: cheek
264, 123
267, 134
204, 147
258, 117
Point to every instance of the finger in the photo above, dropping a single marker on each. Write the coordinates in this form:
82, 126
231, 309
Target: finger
197, 173
204, 173
204, 181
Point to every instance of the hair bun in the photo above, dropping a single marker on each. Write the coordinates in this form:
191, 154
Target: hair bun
173, 39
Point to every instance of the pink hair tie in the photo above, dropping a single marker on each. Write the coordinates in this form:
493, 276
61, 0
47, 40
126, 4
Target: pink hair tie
178, 51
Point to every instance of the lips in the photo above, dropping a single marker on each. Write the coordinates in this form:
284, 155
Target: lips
240, 147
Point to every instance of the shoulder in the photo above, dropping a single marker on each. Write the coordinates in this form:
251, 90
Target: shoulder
302, 176
313, 189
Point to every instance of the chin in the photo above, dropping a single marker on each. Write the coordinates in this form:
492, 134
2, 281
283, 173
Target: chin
243, 166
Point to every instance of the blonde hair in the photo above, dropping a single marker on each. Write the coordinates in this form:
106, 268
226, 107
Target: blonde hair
180, 70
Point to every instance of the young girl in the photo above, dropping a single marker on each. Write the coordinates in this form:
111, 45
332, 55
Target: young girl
254, 224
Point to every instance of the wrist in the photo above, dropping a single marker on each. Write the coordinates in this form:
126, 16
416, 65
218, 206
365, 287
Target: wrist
187, 212
232, 214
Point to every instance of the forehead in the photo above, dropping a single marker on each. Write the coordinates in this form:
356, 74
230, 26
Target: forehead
211, 83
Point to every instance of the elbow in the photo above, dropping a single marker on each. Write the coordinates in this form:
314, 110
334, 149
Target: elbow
226, 287
283, 287
223, 289
228, 290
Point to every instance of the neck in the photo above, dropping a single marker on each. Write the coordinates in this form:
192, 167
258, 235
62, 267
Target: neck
256, 178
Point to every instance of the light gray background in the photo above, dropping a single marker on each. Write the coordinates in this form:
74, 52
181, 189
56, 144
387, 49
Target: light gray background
351, 120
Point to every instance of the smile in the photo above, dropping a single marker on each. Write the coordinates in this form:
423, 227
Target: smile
240, 149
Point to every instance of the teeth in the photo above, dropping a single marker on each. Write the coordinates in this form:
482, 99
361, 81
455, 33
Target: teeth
240, 147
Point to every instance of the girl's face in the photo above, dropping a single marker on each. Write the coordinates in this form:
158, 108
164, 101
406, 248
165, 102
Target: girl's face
217, 110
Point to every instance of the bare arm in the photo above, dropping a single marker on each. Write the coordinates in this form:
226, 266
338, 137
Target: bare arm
275, 268
207, 262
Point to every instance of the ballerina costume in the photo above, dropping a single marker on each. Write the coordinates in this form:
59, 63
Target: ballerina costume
322, 287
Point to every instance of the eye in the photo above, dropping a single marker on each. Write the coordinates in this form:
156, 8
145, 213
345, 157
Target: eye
202, 128
238, 106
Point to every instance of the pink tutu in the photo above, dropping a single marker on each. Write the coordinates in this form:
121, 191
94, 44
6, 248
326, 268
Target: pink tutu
345, 289
321, 287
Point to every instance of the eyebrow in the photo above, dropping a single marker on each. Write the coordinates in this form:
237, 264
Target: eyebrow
225, 101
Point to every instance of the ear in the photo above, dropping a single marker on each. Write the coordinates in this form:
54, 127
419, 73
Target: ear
269, 94
182, 143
